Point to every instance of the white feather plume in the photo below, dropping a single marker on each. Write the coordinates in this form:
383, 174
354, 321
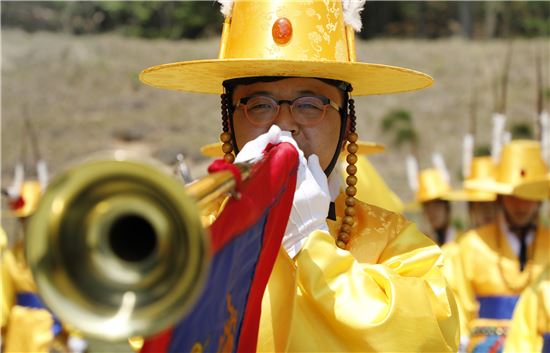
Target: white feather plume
467, 154
14, 190
352, 13
42, 173
412, 172
545, 136
226, 8
499, 121
439, 164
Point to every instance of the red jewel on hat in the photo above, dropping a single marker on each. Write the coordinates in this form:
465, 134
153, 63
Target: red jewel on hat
522, 172
281, 31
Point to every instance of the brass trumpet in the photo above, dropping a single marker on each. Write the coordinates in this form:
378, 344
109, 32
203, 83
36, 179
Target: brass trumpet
117, 247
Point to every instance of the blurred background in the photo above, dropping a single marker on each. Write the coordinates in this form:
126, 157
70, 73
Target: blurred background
70, 71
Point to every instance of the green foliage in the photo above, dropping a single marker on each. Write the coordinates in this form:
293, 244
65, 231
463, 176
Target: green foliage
482, 150
399, 123
190, 19
149, 19
458, 224
522, 131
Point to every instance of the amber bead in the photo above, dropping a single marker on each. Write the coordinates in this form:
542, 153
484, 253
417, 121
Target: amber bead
351, 191
225, 137
349, 211
351, 158
343, 236
229, 158
352, 147
347, 220
350, 201
353, 137
341, 244
346, 228
351, 169
227, 148
351, 180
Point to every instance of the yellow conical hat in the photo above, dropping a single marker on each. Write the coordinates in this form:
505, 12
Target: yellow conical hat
305, 38
431, 185
214, 150
29, 197
481, 169
521, 172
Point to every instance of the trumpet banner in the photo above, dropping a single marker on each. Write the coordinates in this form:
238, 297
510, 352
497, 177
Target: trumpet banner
245, 240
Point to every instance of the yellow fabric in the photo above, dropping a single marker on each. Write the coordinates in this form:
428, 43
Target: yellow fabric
484, 264
27, 329
387, 293
320, 45
452, 268
531, 317
481, 169
372, 189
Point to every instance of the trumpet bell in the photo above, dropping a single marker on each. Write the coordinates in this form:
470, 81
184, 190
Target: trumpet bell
117, 249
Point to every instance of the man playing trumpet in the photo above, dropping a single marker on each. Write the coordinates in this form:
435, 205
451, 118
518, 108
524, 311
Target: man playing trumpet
359, 278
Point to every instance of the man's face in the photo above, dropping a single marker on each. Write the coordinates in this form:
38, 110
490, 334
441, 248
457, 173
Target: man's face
320, 138
520, 212
481, 213
437, 213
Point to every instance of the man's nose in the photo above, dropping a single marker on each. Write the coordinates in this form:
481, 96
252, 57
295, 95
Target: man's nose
286, 121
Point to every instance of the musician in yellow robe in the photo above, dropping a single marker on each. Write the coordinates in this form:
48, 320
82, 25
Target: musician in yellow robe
530, 326
494, 263
362, 279
25, 327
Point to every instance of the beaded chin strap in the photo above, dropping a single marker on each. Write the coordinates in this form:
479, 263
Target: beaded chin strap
225, 136
351, 180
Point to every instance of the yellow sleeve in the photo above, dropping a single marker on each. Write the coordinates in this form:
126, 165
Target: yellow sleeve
531, 318
399, 304
7, 292
454, 273
458, 274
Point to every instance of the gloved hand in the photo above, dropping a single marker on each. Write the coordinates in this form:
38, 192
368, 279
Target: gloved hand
254, 149
310, 205
312, 197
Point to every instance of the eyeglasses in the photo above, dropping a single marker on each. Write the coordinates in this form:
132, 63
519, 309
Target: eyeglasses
306, 110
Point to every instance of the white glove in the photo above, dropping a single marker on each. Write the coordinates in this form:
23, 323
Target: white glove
310, 205
254, 149
312, 197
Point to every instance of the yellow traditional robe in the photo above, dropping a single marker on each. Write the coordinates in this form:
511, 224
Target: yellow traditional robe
484, 265
386, 294
531, 318
27, 329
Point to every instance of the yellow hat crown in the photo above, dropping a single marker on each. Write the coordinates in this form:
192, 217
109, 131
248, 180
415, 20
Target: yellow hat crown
431, 185
306, 30
289, 38
520, 162
482, 168
521, 172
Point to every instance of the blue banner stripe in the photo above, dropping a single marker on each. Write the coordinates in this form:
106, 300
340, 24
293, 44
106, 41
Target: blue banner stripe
497, 307
211, 326
32, 300
546, 343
